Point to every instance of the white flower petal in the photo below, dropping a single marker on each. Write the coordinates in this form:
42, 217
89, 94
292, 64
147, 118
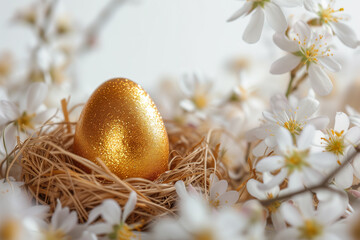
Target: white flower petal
284, 139
351, 111
356, 165
278, 221
270, 141
319, 122
269, 116
187, 105
181, 189
311, 6
352, 136
111, 211
332, 201
8, 112
260, 149
129, 206
229, 198
345, 34
319, 80
34, 97
306, 108
342, 122
295, 183
270, 164
100, 228
311, 177
344, 178
253, 30
291, 214
44, 116
323, 161
277, 180
218, 188
275, 17
69, 223
306, 137
193, 212
284, 43
245, 9
252, 187
285, 64
303, 30
10, 139
288, 3
330, 63
288, 233
305, 203
331, 236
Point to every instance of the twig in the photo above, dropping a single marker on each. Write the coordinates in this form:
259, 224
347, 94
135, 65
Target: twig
299, 81
323, 184
94, 28
292, 78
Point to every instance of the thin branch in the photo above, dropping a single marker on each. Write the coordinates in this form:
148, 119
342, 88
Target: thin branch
94, 28
292, 78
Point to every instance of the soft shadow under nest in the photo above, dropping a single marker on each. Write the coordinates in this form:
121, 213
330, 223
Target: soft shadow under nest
50, 172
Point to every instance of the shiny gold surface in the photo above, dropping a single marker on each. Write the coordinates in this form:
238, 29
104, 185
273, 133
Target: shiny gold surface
121, 125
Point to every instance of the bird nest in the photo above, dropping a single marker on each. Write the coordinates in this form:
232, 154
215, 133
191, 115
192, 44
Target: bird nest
51, 171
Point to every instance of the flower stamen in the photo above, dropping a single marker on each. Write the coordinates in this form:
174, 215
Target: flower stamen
335, 142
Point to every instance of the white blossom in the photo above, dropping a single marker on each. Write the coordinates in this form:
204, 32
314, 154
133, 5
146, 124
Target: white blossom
254, 188
309, 49
341, 141
114, 225
306, 222
18, 218
354, 116
296, 162
259, 9
63, 225
218, 197
197, 220
333, 19
292, 114
22, 118
199, 96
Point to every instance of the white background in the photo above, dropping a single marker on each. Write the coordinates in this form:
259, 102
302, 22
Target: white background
147, 40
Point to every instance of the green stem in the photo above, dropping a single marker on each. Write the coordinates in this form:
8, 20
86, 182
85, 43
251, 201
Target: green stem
292, 78
288, 91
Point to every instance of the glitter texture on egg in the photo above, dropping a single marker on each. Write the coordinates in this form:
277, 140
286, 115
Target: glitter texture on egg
121, 125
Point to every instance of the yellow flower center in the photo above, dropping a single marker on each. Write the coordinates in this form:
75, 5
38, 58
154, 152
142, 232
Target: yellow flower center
9, 230
204, 235
214, 203
55, 235
310, 230
311, 53
326, 14
25, 121
260, 3
335, 142
293, 126
200, 101
296, 160
123, 232
273, 207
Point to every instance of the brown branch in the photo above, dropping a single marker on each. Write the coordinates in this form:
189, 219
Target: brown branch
94, 28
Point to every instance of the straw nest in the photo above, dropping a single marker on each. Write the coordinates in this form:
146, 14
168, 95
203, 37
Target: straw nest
50, 172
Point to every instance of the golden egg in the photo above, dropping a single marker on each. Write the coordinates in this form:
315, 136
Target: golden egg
121, 125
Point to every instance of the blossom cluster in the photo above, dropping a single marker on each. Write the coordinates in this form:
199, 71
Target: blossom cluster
293, 169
